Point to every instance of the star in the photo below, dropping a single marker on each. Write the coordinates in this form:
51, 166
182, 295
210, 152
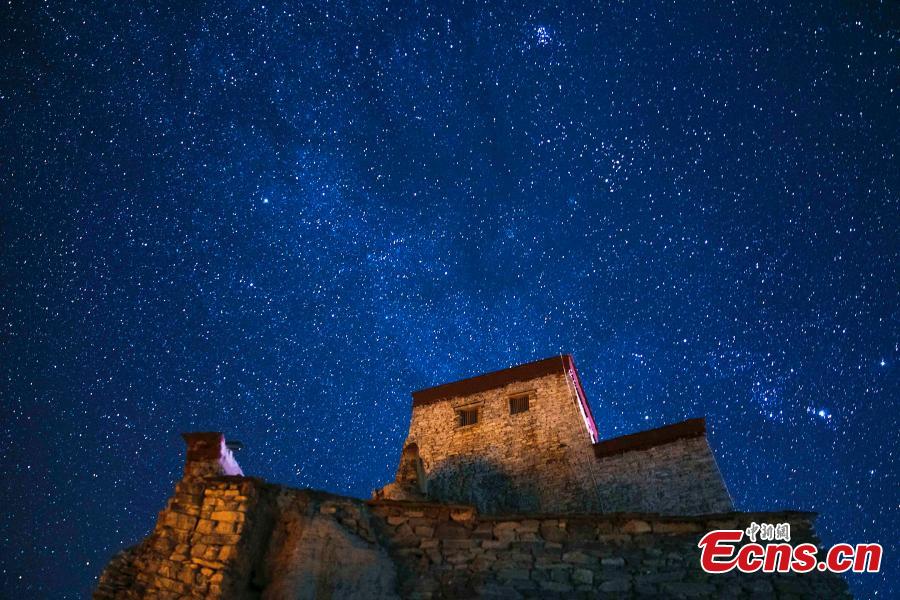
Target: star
680, 206
542, 36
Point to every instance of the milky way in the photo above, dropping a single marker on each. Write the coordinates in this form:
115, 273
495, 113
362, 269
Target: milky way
278, 221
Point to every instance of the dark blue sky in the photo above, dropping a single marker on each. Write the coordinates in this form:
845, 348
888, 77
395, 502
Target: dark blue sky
278, 221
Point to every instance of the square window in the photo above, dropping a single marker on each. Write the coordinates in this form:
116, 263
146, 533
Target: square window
467, 416
518, 404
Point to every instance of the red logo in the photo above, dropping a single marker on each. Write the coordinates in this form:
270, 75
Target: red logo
719, 553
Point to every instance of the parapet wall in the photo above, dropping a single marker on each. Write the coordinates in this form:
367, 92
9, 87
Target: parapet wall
240, 538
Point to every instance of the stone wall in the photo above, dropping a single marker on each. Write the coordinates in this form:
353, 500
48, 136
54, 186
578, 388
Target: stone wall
202, 545
234, 537
238, 537
536, 460
547, 458
452, 552
680, 477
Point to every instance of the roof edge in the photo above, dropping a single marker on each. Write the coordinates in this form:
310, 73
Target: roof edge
492, 380
651, 438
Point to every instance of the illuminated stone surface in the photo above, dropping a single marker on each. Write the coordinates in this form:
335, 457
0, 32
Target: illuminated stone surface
547, 512
544, 459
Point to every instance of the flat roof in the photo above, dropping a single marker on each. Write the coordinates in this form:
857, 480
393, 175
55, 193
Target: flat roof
493, 380
643, 440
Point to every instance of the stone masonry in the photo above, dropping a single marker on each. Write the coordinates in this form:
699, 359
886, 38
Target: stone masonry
547, 457
677, 477
537, 460
235, 537
503, 490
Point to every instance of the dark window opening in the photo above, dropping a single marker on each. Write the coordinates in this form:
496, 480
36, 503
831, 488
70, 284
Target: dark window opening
518, 404
468, 416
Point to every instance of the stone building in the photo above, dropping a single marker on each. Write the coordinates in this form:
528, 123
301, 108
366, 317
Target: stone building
503, 491
524, 440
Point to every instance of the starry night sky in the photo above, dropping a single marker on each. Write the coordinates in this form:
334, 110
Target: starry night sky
277, 221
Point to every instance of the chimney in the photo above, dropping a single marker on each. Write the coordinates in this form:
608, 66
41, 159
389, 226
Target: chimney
209, 455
